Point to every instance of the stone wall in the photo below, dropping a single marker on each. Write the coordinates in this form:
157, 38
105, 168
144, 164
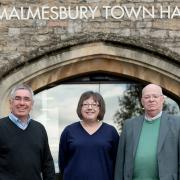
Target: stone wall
24, 40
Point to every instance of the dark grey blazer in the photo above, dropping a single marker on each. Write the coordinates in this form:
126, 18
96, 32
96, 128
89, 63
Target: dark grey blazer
168, 151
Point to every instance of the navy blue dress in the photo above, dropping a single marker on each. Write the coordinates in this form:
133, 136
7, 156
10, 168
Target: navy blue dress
88, 157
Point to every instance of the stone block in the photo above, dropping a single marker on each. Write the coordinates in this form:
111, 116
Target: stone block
14, 31
170, 24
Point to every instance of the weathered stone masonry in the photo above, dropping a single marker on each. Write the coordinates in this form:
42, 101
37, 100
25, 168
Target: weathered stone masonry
34, 49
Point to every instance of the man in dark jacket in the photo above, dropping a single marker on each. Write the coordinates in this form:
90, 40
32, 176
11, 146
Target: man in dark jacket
149, 147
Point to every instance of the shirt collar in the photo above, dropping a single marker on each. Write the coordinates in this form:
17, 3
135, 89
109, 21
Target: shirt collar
18, 122
153, 118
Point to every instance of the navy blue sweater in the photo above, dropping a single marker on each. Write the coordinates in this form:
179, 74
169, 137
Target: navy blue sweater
88, 157
24, 154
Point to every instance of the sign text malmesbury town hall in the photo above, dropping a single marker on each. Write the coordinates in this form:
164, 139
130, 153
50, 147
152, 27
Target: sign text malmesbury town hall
87, 12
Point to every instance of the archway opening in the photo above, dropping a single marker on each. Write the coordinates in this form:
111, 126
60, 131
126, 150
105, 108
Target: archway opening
55, 103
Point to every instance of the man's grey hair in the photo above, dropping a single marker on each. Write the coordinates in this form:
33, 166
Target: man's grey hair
21, 86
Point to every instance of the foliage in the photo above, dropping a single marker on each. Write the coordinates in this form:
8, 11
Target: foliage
129, 105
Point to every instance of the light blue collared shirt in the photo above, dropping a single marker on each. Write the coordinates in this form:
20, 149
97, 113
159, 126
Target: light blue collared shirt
18, 122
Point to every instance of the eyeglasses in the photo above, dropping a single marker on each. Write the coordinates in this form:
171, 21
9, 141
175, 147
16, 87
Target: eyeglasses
153, 96
25, 99
94, 105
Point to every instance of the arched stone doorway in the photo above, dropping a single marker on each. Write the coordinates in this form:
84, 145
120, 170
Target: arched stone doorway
98, 57
94, 57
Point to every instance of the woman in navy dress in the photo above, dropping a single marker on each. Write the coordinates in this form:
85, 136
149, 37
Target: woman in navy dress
88, 148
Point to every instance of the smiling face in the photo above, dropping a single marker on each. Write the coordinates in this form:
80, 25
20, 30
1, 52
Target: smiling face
90, 110
152, 100
21, 104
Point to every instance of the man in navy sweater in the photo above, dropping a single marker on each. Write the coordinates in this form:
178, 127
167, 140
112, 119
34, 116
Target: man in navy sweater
24, 149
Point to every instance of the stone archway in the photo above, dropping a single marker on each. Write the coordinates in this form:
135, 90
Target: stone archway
94, 57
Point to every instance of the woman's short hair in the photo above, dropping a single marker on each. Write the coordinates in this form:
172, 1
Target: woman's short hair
97, 98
